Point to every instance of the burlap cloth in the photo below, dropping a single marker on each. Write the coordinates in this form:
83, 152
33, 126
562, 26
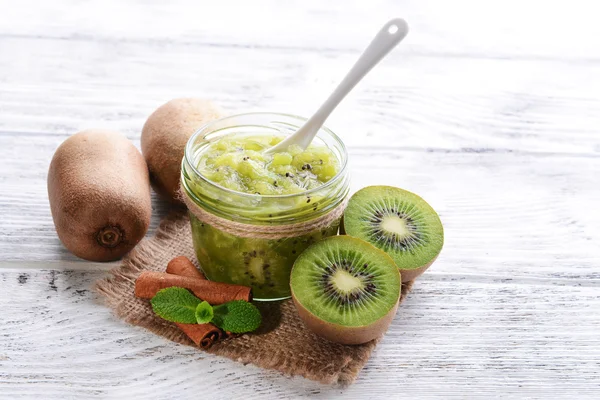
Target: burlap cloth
282, 343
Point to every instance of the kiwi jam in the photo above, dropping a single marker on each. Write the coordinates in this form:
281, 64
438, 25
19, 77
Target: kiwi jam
226, 173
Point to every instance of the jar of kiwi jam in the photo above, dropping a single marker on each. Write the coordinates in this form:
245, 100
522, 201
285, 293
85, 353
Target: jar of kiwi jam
252, 214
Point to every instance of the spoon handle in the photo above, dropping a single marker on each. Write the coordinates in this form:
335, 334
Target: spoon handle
386, 39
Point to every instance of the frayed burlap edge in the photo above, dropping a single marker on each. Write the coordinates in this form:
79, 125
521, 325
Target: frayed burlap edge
117, 291
123, 278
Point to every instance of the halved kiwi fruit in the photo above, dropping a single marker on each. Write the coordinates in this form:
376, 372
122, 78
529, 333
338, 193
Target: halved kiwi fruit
398, 222
345, 289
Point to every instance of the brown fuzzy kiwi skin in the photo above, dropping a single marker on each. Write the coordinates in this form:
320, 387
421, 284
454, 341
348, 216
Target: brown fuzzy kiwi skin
164, 137
99, 192
412, 274
342, 228
344, 334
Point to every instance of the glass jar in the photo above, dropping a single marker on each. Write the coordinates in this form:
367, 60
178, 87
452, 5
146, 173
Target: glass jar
263, 264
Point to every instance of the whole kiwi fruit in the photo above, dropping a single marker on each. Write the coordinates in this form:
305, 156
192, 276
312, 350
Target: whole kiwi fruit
398, 222
164, 136
99, 193
345, 289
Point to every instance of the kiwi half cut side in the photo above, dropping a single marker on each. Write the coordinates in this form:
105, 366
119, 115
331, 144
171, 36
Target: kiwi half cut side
398, 222
345, 290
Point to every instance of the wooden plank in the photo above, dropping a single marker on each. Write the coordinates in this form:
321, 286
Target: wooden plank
503, 212
462, 28
410, 101
451, 338
489, 111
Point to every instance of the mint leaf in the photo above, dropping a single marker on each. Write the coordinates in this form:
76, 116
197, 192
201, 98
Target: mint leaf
237, 316
175, 304
204, 313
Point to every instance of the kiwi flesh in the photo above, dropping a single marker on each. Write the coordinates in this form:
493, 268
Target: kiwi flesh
165, 135
398, 222
257, 267
99, 194
345, 290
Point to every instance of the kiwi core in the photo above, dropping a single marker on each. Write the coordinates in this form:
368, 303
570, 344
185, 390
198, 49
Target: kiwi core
346, 282
395, 225
256, 268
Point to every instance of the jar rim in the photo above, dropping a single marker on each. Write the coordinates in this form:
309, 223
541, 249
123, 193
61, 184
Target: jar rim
201, 131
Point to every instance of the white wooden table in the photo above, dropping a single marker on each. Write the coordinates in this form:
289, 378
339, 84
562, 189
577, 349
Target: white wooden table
489, 110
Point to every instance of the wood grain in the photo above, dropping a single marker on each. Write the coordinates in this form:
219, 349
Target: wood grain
453, 333
410, 100
509, 29
489, 110
502, 212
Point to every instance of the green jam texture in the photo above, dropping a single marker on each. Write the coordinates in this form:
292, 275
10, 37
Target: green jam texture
263, 264
238, 162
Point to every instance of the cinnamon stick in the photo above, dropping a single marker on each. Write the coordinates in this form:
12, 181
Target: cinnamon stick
228, 335
203, 335
149, 283
182, 266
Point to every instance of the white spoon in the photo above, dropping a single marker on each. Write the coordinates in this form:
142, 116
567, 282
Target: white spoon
388, 37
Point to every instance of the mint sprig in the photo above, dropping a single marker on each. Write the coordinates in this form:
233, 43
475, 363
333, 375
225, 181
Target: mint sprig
179, 305
204, 313
237, 316
175, 304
